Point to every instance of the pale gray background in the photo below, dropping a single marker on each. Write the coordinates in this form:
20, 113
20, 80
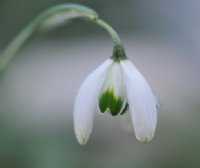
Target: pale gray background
38, 88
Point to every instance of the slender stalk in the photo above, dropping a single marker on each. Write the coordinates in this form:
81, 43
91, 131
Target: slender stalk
111, 31
14, 46
57, 16
118, 50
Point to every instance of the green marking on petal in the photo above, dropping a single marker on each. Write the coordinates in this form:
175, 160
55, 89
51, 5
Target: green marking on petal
108, 101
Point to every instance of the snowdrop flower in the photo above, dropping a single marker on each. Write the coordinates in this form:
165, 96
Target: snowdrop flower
112, 88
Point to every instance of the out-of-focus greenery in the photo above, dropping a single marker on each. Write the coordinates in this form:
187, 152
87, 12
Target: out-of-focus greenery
38, 88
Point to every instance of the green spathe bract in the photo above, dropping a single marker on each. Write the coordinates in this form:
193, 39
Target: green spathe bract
108, 101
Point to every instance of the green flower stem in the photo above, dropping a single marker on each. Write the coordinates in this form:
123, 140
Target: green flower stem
14, 46
56, 16
118, 50
111, 31
39, 22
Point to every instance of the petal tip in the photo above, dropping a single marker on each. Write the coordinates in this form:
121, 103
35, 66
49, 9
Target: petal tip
144, 139
82, 139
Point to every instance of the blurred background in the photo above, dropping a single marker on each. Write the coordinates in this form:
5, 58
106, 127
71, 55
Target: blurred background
38, 88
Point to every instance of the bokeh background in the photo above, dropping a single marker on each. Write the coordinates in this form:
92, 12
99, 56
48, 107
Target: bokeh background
38, 88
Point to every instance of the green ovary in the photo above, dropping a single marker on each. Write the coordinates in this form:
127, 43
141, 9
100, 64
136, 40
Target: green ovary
109, 102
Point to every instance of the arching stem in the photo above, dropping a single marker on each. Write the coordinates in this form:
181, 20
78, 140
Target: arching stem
118, 50
56, 16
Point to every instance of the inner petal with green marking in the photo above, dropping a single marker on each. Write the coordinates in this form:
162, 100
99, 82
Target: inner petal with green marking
109, 102
112, 97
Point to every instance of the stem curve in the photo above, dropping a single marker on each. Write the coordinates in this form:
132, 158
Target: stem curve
54, 17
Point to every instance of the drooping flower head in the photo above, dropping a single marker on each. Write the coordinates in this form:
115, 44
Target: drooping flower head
112, 88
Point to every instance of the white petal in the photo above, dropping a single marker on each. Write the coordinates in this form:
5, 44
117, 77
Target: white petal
114, 84
114, 78
142, 102
86, 102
